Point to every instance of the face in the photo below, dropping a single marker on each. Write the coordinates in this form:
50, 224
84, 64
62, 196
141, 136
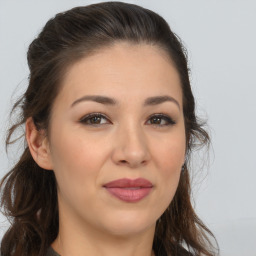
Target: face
133, 131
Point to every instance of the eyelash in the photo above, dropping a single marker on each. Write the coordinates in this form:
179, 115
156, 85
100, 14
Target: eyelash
169, 121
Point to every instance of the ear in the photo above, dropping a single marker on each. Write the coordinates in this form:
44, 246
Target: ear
38, 145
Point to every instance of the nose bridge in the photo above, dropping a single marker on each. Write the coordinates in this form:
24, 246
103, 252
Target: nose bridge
135, 137
131, 147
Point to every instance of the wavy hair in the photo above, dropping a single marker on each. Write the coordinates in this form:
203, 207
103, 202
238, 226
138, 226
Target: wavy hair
28, 192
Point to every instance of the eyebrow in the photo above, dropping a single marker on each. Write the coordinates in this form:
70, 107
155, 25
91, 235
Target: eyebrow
110, 101
160, 99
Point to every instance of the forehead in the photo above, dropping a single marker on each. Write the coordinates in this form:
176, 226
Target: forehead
124, 70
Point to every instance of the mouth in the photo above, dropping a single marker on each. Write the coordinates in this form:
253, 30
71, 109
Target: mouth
129, 190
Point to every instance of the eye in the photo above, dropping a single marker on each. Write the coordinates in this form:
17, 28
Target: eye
161, 120
94, 119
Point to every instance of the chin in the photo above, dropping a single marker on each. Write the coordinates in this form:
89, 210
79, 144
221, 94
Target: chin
127, 224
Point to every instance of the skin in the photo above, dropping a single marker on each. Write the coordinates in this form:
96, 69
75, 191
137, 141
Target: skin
129, 143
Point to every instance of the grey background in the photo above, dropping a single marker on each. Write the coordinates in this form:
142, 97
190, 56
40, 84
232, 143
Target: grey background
221, 40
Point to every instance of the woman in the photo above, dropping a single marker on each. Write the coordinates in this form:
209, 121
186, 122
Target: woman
109, 125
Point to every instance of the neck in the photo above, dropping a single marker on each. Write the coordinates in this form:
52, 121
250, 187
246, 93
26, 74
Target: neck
82, 240
82, 245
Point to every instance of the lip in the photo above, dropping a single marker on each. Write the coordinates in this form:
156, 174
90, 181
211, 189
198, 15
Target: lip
129, 190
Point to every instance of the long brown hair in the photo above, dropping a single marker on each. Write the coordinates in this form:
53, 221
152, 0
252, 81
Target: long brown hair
29, 194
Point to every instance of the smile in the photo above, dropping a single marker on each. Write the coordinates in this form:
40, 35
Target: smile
129, 190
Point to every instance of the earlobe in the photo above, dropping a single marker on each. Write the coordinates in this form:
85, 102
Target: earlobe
38, 145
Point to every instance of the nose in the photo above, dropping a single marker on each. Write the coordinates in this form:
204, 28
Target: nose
130, 147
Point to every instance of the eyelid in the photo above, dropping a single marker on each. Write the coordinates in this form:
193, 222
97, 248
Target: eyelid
166, 117
90, 115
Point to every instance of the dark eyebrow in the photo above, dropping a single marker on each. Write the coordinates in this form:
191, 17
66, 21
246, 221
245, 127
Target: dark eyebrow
160, 99
96, 98
110, 101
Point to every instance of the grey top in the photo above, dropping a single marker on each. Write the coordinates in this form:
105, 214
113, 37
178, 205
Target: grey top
51, 252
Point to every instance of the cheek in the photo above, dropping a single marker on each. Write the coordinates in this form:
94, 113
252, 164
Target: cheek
169, 156
77, 162
75, 151
169, 153
170, 162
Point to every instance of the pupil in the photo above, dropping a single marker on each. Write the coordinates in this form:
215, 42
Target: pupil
156, 120
96, 119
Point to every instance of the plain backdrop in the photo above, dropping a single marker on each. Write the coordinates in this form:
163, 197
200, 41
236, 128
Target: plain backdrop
220, 37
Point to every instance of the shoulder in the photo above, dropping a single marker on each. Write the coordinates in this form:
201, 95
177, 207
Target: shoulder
51, 252
177, 251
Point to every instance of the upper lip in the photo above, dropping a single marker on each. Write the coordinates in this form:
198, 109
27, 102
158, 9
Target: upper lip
129, 183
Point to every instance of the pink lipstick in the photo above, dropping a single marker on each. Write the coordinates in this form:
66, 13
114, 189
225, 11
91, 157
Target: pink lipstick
129, 190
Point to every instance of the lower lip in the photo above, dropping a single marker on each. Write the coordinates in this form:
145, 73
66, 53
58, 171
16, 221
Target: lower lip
129, 195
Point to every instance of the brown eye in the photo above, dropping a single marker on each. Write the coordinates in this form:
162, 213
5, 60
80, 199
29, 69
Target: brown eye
156, 120
94, 119
161, 120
